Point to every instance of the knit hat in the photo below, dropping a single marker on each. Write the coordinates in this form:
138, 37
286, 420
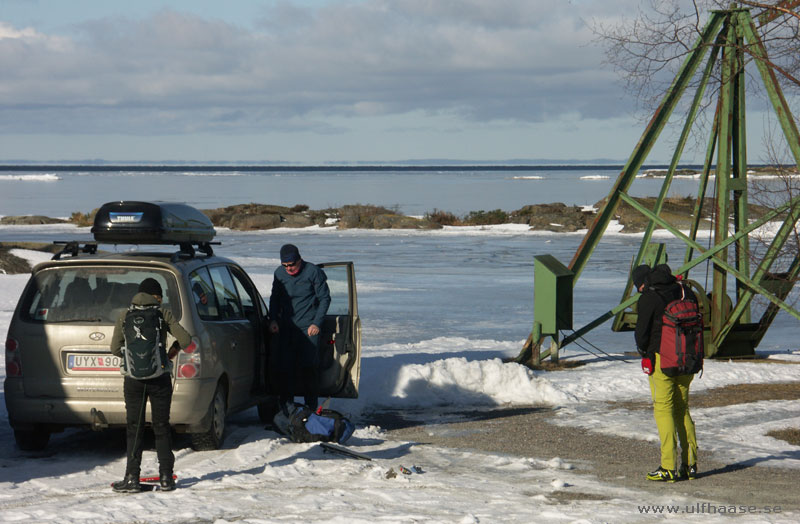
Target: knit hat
289, 253
639, 275
151, 287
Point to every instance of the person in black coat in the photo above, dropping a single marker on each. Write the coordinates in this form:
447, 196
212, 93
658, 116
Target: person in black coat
297, 306
658, 287
158, 390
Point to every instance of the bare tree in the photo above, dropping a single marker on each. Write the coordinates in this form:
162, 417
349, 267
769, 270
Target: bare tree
649, 47
771, 192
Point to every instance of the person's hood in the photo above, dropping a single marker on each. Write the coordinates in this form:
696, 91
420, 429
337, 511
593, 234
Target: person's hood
639, 275
144, 299
660, 278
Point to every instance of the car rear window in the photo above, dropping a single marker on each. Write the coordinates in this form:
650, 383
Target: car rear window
91, 294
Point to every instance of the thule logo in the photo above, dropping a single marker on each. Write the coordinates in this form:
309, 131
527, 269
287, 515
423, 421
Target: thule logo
128, 218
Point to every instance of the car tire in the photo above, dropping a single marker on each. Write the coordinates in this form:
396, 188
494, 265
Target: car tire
217, 411
268, 409
31, 440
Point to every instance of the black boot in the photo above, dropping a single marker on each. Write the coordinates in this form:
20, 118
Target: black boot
166, 481
130, 484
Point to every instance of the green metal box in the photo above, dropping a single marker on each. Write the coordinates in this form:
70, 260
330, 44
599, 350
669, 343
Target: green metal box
552, 294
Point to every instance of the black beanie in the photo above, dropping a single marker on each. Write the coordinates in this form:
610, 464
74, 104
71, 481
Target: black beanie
289, 253
151, 287
639, 275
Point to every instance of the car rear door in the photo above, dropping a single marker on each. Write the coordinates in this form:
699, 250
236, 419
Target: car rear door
340, 337
255, 311
236, 337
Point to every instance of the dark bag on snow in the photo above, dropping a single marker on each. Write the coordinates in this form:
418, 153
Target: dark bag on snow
326, 426
144, 355
681, 337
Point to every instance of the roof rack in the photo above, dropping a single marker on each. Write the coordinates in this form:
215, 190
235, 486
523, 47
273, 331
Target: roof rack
187, 249
73, 248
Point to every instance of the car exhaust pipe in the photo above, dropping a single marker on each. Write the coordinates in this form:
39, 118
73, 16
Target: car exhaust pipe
99, 421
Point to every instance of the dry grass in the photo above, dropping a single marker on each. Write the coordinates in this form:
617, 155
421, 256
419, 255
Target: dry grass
366, 210
731, 395
444, 218
548, 365
744, 393
790, 435
83, 219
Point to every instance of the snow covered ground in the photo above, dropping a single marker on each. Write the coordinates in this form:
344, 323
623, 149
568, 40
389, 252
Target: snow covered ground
453, 362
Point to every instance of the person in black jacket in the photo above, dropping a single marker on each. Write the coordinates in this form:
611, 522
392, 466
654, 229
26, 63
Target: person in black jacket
297, 306
670, 394
158, 390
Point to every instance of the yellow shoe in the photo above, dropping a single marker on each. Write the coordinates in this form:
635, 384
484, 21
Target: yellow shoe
663, 475
688, 472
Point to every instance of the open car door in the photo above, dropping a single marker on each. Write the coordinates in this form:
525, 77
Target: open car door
340, 339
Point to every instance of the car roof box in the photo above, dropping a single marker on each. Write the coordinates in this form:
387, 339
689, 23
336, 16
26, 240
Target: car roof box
128, 222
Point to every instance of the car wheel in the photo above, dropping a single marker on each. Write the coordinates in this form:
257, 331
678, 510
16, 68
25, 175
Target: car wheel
31, 440
217, 410
268, 409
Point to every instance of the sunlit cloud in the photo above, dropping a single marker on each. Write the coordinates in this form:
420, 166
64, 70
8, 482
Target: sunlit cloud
179, 72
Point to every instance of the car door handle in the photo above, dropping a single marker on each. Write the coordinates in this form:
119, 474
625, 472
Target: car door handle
233, 346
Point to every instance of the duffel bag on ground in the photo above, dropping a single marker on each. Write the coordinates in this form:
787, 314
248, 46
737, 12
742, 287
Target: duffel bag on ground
304, 425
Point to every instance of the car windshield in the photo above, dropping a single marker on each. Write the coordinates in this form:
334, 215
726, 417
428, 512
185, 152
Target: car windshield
91, 294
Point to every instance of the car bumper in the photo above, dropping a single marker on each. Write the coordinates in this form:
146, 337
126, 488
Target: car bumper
190, 401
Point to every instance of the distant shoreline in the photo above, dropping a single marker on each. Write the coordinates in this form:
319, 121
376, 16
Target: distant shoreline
318, 168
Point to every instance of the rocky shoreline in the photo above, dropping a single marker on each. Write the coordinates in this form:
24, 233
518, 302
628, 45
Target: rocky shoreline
253, 216
10, 264
555, 217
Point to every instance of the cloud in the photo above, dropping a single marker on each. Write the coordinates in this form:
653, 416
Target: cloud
179, 72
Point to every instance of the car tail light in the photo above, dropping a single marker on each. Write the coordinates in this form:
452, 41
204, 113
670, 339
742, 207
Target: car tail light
192, 347
188, 362
13, 362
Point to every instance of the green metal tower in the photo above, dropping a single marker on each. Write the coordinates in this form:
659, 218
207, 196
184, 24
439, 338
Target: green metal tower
727, 39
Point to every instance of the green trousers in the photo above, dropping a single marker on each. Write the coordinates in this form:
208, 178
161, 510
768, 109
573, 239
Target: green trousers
671, 411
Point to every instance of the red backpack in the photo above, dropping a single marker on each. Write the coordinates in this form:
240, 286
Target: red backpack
681, 337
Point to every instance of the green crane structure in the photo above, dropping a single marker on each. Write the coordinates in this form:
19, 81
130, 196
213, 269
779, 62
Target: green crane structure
726, 40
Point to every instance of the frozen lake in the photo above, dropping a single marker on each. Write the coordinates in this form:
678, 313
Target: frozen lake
411, 192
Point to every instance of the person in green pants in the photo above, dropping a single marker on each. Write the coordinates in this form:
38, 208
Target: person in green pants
670, 394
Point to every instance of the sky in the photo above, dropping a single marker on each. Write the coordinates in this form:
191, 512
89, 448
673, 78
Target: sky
313, 81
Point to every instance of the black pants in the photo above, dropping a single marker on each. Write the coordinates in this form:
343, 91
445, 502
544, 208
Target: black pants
299, 365
159, 391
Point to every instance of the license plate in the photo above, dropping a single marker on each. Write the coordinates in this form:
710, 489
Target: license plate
86, 363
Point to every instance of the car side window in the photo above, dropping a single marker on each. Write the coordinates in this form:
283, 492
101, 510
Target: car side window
338, 286
230, 307
203, 295
246, 293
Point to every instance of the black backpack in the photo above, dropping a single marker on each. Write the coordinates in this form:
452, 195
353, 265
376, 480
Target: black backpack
682, 348
144, 355
306, 425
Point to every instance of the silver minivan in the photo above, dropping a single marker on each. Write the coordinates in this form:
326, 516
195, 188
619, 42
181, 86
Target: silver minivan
60, 371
